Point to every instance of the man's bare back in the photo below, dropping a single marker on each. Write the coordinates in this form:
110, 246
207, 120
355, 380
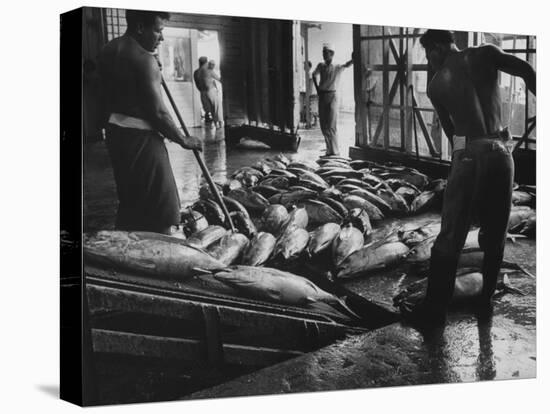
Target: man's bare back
131, 82
122, 62
465, 90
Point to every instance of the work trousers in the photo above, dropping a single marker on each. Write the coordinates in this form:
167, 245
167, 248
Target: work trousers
479, 186
328, 118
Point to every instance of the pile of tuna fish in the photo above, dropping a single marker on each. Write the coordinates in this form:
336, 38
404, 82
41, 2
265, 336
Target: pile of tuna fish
331, 215
287, 211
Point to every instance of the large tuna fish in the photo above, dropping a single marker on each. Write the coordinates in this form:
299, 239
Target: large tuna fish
473, 258
148, 253
264, 283
234, 205
231, 185
319, 212
205, 193
359, 219
206, 237
468, 286
411, 235
312, 185
211, 210
354, 201
345, 243
259, 249
243, 224
522, 198
291, 197
423, 201
321, 238
311, 176
279, 182
413, 177
334, 164
407, 193
374, 199
281, 158
247, 170
336, 205
255, 203
396, 183
344, 172
397, 203
422, 251
519, 215
291, 243
334, 179
273, 218
283, 173
372, 258
229, 248
302, 165
297, 217
266, 190
192, 221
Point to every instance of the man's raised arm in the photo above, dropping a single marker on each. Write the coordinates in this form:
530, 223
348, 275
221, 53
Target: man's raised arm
514, 66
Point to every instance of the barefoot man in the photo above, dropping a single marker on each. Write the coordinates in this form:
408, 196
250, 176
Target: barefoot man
465, 93
137, 121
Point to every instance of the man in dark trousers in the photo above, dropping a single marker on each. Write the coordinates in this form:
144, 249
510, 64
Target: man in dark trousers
327, 91
199, 76
137, 121
465, 93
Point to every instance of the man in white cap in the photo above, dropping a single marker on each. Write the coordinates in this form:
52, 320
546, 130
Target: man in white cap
327, 90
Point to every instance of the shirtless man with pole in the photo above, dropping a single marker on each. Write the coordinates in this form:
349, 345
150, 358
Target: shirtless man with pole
137, 121
465, 93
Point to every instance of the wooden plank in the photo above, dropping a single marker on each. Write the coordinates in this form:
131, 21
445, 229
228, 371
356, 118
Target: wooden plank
252, 69
425, 132
402, 87
187, 350
263, 323
385, 88
213, 336
361, 128
408, 96
389, 97
263, 68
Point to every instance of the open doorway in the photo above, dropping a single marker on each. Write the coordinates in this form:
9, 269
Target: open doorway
313, 36
179, 54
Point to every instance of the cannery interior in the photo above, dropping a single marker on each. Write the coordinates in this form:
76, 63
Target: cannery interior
341, 220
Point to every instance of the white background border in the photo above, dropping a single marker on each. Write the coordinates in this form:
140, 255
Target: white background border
29, 295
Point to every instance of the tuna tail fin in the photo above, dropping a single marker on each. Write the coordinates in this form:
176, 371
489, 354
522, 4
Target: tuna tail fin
506, 287
342, 302
513, 237
519, 267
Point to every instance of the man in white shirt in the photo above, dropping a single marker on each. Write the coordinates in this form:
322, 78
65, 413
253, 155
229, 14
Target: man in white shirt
327, 90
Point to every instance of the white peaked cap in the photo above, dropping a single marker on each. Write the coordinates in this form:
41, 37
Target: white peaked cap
328, 46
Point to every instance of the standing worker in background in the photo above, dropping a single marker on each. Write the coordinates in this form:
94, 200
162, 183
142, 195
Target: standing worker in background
465, 93
137, 121
215, 94
327, 90
199, 77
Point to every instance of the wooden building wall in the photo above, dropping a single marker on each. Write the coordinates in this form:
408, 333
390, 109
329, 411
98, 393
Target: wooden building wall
256, 64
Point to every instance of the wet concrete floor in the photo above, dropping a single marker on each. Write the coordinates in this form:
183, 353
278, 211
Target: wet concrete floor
471, 347
100, 199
